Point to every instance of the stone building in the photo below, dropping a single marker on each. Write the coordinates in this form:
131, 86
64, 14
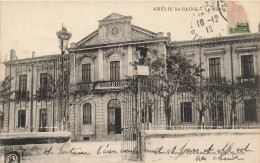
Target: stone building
100, 65
32, 105
231, 58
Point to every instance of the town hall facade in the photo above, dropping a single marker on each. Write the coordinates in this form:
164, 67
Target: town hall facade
101, 63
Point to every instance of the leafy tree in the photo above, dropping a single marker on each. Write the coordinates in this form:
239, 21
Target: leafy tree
169, 75
5, 95
234, 94
178, 74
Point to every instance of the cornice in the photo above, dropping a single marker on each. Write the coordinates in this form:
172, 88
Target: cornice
217, 40
215, 51
86, 55
36, 59
91, 35
107, 55
246, 49
116, 44
143, 30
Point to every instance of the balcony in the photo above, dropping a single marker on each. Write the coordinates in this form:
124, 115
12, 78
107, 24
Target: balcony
81, 88
111, 85
41, 94
85, 86
252, 80
22, 95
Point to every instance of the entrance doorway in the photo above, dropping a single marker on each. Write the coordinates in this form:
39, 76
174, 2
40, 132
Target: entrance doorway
114, 117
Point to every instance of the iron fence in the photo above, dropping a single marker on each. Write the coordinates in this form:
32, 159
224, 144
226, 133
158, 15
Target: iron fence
155, 103
176, 104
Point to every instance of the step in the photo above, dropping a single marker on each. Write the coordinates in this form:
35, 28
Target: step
114, 137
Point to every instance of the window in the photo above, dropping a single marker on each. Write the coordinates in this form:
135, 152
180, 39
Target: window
22, 85
214, 69
186, 112
87, 116
43, 85
250, 109
217, 114
247, 66
22, 93
43, 120
21, 118
115, 70
86, 73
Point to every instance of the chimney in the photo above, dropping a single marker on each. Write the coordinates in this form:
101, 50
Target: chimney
15, 56
160, 34
259, 27
33, 54
12, 55
169, 36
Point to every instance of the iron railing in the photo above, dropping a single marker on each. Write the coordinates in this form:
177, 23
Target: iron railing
22, 95
156, 104
109, 85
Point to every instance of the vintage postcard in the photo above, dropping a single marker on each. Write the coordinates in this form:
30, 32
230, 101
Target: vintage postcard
129, 81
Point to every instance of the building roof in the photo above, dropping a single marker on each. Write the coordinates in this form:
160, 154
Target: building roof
93, 38
35, 59
113, 16
234, 38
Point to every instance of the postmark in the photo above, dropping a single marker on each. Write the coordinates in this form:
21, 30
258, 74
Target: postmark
209, 21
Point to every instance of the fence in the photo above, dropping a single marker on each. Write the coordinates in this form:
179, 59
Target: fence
153, 103
194, 104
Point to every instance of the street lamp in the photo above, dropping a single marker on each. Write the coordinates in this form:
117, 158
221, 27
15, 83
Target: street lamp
142, 54
64, 36
142, 72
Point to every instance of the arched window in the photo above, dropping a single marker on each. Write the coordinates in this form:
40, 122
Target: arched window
87, 116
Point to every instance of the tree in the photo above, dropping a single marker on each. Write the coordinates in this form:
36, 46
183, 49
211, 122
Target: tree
169, 75
180, 76
5, 95
235, 93
176, 74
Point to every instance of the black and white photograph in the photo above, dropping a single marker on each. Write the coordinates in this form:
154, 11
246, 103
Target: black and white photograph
130, 81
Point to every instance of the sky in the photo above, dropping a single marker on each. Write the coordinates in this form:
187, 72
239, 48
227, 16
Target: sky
32, 26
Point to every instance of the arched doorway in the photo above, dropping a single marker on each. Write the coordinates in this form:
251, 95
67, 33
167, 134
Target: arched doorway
114, 117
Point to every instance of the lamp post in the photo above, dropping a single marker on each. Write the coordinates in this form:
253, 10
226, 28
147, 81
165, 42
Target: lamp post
142, 54
63, 36
142, 71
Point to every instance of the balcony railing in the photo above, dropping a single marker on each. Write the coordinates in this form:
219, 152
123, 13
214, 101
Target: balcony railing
85, 86
41, 94
81, 88
253, 80
21, 95
112, 85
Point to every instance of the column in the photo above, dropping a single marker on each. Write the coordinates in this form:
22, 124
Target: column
130, 60
100, 64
